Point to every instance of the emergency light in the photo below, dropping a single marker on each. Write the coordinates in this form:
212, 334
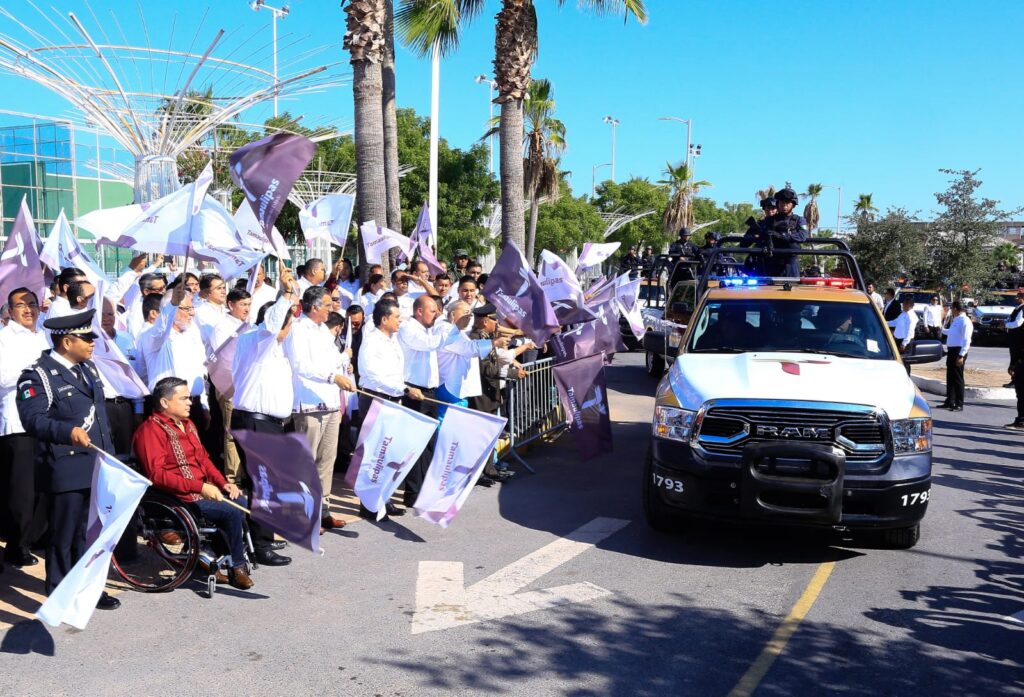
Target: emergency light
735, 282
827, 282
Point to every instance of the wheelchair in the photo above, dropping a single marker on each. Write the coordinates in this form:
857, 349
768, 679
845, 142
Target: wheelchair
165, 543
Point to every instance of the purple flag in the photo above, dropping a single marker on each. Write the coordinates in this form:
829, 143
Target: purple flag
519, 297
578, 343
286, 492
607, 336
390, 440
465, 443
584, 396
20, 266
266, 172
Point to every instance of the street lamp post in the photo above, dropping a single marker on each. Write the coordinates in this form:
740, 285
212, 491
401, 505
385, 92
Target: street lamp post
839, 205
491, 84
276, 14
593, 177
614, 122
693, 153
689, 133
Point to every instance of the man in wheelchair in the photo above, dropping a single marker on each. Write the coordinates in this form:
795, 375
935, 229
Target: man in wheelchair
168, 450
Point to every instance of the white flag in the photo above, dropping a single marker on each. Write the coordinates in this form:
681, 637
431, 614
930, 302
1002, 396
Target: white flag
116, 368
62, 249
390, 440
251, 234
116, 492
377, 240
465, 443
558, 280
594, 253
627, 300
328, 218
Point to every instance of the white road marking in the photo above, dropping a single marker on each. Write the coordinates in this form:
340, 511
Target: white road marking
443, 601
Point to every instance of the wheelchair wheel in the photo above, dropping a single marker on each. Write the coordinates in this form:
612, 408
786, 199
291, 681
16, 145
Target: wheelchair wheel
160, 547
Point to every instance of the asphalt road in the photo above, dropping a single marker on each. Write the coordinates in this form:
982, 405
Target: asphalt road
664, 614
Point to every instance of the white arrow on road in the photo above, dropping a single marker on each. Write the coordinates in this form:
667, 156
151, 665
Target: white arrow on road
443, 601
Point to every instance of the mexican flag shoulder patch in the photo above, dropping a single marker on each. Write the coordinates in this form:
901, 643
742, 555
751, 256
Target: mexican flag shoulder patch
28, 393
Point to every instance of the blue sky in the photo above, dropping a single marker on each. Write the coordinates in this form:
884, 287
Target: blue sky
873, 96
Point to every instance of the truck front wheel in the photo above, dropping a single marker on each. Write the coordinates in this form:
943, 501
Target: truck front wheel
655, 364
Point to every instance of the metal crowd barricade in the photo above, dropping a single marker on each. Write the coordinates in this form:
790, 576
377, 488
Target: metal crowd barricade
532, 407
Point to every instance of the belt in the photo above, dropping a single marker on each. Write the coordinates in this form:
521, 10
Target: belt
388, 397
118, 400
256, 416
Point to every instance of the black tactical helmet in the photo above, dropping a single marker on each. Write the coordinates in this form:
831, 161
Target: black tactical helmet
684, 231
769, 202
713, 237
786, 195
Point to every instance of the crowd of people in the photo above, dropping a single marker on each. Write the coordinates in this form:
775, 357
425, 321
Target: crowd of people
310, 353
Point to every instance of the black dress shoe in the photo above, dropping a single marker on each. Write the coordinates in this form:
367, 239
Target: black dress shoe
484, 480
107, 602
278, 544
956, 408
268, 557
20, 558
366, 513
393, 510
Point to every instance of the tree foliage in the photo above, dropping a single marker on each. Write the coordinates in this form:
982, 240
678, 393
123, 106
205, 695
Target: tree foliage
964, 233
568, 223
888, 247
631, 197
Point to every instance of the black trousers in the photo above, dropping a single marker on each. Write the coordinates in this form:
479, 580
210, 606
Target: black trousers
246, 421
414, 480
23, 504
954, 377
121, 415
69, 514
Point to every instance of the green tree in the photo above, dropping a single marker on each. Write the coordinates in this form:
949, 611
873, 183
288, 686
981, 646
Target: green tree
864, 208
424, 23
888, 247
567, 223
631, 197
679, 212
811, 212
1006, 253
966, 230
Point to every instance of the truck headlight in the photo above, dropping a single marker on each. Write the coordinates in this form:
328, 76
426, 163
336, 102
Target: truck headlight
673, 423
912, 435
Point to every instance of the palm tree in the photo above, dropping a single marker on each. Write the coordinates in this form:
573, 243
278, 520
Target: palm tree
679, 211
864, 207
542, 146
365, 40
394, 203
424, 23
811, 212
766, 193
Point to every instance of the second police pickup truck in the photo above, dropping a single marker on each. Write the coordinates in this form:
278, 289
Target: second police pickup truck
788, 403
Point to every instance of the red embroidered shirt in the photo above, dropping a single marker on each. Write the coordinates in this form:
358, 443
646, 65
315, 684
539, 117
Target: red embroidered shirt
183, 473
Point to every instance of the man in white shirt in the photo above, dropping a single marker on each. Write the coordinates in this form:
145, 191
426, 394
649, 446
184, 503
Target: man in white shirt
313, 274
875, 297
319, 373
149, 284
214, 292
443, 286
174, 348
933, 317
906, 326
235, 321
468, 292
21, 343
958, 343
400, 284
151, 306
262, 293
459, 360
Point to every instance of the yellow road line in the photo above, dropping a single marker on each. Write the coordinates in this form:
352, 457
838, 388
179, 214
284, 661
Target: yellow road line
777, 644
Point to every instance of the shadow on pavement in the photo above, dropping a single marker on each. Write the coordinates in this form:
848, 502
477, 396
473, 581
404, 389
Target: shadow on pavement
28, 636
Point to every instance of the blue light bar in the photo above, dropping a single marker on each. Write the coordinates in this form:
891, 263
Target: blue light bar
734, 282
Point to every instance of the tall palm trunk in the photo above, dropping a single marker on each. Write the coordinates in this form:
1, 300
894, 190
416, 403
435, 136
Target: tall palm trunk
531, 239
394, 204
364, 39
510, 139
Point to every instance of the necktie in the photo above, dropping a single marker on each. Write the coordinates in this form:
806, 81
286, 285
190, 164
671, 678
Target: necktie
77, 372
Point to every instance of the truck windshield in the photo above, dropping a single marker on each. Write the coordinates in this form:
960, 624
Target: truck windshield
835, 328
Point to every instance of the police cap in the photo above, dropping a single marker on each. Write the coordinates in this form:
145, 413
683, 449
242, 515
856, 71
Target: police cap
486, 310
78, 324
786, 195
769, 202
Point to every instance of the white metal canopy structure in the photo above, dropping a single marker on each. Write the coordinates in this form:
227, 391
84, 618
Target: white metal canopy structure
155, 101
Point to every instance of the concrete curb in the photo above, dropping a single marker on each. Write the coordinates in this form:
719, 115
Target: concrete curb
939, 387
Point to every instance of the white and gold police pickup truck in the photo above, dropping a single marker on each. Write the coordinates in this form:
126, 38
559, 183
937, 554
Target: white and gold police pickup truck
788, 402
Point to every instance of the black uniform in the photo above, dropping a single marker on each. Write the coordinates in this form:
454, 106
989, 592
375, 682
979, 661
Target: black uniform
52, 401
630, 263
784, 232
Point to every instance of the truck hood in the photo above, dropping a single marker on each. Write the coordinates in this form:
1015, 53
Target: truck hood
696, 378
994, 309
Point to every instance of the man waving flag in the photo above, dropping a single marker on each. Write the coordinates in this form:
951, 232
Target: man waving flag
519, 298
